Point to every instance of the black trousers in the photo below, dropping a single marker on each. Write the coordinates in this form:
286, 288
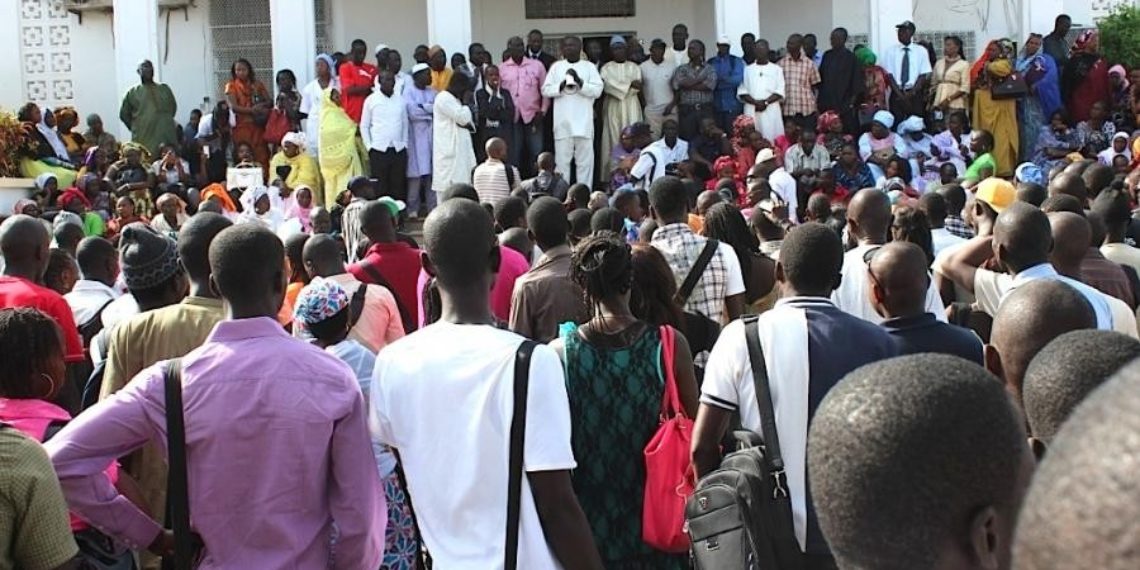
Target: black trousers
690, 117
389, 169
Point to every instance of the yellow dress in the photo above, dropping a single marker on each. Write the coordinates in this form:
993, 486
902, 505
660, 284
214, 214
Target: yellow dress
339, 160
999, 117
304, 171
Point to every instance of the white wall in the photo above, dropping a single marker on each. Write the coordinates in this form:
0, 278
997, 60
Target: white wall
185, 67
850, 14
781, 18
12, 87
402, 24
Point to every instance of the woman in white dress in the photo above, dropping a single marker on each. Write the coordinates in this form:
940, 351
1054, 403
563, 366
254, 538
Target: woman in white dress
311, 99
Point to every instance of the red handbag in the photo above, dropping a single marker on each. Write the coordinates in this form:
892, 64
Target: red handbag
276, 127
668, 468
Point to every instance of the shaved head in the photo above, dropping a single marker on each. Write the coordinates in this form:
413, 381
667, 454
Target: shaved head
869, 215
322, 256
1071, 184
1071, 238
899, 280
460, 246
1022, 328
24, 242
1022, 237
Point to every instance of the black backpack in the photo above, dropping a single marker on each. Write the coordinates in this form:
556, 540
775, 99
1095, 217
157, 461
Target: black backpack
740, 515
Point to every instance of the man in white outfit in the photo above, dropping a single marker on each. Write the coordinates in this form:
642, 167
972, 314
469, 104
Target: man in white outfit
762, 91
573, 84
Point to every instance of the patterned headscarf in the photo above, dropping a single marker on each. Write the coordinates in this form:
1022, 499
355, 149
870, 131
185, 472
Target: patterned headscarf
320, 300
742, 126
21, 204
1087, 41
827, 120
70, 195
865, 56
136, 146
1123, 73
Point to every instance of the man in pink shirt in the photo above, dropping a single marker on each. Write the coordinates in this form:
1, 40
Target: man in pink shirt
523, 78
276, 436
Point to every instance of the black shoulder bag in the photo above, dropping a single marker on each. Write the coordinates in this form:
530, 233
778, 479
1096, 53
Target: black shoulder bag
696, 272
187, 545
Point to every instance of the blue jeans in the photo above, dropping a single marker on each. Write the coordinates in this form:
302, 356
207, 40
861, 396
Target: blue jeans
530, 136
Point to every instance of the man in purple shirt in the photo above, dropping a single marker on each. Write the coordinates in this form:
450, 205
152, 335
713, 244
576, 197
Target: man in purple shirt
278, 448
523, 78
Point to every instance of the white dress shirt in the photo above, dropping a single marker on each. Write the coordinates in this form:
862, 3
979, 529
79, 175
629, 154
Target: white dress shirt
87, 298
384, 122
919, 63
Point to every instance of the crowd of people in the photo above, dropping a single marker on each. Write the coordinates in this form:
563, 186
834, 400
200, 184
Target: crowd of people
930, 266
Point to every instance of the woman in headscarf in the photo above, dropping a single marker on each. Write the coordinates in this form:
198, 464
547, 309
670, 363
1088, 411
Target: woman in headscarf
1085, 79
40, 154
742, 128
130, 176
339, 160
67, 119
1044, 97
72, 200
623, 156
1121, 97
951, 78
217, 193
831, 135
1055, 143
879, 145
95, 161
302, 208
875, 85
171, 214
312, 99
259, 207
125, 213
996, 116
249, 100
47, 190
917, 143
302, 167
94, 188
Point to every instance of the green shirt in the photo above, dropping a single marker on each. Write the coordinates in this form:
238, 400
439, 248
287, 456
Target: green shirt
148, 111
974, 172
35, 533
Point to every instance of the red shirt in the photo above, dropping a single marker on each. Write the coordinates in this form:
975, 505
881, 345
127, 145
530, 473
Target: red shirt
399, 263
18, 292
352, 75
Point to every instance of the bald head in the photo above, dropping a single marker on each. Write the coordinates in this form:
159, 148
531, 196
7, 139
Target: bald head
1022, 328
899, 280
869, 215
496, 148
1071, 238
24, 243
322, 256
1071, 184
1022, 237
1097, 177
706, 200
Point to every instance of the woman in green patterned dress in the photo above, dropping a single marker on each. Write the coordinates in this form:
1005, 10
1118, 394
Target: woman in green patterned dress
615, 382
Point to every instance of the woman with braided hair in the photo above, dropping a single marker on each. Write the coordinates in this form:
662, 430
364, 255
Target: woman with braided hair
615, 382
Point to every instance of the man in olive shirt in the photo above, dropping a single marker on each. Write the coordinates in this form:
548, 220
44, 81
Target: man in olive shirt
34, 530
161, 334
545, 296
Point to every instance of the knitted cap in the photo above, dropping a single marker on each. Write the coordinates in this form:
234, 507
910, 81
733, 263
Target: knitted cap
148, 257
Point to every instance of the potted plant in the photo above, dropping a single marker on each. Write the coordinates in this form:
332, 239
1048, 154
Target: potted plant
1120, 35
13, 144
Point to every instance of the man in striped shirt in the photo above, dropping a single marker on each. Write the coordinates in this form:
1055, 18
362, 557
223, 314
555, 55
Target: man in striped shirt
495, 179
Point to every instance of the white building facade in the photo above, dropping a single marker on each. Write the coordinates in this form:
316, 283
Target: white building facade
84, 53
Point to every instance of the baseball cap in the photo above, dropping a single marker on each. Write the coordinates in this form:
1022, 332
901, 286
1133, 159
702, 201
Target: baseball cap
359, 181
906, 24
765, 155
996, 192
394, 206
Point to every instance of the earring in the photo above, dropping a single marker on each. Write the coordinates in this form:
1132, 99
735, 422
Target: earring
51, 385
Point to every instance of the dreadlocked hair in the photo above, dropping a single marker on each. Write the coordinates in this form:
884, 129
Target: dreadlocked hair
29, 340
725, 223
601, 266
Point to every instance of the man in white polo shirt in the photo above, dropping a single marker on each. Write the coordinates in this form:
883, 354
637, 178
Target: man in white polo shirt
781, 182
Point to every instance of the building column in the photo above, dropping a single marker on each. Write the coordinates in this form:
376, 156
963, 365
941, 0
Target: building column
884, 16
294, 37
135, 25
449, 25
1038, 17
734, 18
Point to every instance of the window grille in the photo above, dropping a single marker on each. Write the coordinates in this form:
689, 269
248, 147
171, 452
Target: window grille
241, 29
538, 9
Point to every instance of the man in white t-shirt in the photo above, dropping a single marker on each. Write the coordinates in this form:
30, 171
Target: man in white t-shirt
781, 182
868, 221
449, 417
655, 159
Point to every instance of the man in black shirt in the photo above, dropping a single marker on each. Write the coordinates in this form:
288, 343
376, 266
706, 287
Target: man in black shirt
841, 81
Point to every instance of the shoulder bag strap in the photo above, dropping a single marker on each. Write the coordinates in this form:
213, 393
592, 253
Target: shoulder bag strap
772, 454
177, 490
510, 175
356, 304
378, 279
670, 400
696, 271
518, 439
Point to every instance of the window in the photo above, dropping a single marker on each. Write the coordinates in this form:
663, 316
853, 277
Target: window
538, 9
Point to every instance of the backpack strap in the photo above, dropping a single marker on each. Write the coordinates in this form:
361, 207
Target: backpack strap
518, 439
510, 175
772, 455
696, 272
177, 487
357, 305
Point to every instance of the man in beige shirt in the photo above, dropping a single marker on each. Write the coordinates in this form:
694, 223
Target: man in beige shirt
545, 297
169, 332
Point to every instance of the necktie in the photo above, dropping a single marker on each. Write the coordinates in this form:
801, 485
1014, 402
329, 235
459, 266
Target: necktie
905, 67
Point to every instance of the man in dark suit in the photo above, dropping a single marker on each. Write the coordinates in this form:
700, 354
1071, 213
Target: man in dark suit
842, 81
495, 112
534, 51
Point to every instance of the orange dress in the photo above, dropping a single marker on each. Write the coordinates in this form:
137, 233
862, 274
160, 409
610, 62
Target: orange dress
247, 94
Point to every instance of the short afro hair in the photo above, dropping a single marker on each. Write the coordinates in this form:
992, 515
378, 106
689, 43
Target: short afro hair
606, 220
546, 219
459, 238
247, 261
1062, 203
508, 212
668, 197
902, 452
812, 257
194, 242
1066, 371
1083, 504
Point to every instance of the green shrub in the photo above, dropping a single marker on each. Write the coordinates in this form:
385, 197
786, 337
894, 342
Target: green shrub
1120, 36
